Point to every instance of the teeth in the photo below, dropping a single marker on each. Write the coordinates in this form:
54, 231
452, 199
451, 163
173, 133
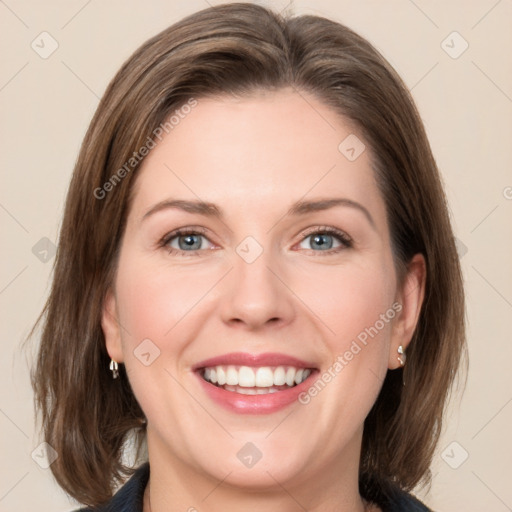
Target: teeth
246, 377
221, 376
290, 376
264, 377
231, 376
279, 376
251, 391
250, 378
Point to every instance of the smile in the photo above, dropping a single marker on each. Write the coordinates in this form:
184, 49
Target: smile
248, 380
246, 383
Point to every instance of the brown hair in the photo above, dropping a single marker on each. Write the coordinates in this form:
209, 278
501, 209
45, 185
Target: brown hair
238, 49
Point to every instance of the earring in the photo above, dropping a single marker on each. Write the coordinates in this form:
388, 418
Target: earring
114, 368
402, 357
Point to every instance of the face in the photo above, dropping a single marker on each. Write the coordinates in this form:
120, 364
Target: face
257, 255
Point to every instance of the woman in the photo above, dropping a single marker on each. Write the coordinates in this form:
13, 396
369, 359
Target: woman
256, 276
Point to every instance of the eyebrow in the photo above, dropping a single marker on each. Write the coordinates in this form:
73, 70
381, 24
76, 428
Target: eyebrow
299, 208
303, 207
198, 207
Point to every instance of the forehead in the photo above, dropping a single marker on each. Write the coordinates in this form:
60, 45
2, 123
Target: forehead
259, 151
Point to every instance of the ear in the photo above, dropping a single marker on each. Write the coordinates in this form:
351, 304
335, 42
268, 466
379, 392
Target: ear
110, 327
410, 296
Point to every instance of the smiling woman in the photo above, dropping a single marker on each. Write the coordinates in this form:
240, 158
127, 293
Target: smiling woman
271, 298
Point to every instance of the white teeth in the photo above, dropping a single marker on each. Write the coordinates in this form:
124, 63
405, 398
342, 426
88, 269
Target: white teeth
231, 376
251, 391
264, 377
221, 376
261, 377
246, 377
248, 391
279, 376
290, 376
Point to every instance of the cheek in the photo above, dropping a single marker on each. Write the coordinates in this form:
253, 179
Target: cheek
154, 299
158, 307
350, 301
354, 307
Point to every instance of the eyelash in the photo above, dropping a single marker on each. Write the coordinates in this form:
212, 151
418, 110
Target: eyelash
177, 233
342, 237
346, 241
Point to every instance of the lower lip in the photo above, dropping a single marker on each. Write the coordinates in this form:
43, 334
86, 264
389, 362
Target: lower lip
254, 404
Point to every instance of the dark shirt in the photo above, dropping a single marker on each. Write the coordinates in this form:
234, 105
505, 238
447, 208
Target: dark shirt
129, 497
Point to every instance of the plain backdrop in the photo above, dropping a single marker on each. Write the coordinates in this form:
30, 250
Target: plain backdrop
462, 83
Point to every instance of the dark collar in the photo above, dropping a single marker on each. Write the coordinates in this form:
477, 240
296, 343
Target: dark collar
129, 497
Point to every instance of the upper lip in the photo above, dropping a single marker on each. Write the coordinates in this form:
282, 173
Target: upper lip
246, 359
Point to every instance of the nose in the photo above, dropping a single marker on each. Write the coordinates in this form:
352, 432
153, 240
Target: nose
256, 295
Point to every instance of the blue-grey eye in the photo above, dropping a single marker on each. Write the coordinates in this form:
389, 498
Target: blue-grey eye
321, 242
189, 242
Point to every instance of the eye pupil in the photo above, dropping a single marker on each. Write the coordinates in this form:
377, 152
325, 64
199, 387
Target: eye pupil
322, 241
189, 242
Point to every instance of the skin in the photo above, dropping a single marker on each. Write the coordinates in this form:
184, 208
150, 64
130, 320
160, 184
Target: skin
254, 157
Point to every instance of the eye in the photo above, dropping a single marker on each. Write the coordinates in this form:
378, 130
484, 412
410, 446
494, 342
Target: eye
185, 241
326, 239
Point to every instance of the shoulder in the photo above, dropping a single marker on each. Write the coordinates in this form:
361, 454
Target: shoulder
129, 497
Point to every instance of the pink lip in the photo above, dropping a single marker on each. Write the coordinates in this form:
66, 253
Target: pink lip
245, 359
253, 404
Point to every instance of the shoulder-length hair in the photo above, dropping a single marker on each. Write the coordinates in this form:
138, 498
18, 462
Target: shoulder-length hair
237, 49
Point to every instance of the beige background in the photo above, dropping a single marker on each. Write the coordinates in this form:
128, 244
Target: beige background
466, 104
